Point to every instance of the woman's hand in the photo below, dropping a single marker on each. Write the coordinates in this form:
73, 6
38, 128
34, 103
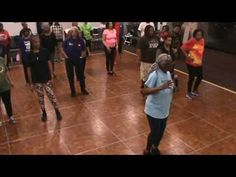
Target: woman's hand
166, 85
51, 82
174, 50
32, 87
190, 58
83, 54
108, 49
148, 91
11, 84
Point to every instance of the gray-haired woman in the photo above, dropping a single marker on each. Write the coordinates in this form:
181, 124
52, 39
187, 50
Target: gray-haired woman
159, 91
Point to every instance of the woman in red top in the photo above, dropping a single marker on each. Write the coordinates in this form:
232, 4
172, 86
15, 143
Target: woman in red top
4, 36
193, 49
5, 41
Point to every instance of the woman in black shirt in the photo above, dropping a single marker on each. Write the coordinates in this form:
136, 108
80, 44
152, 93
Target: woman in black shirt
147, 47
48, 41
41, 79
167, 48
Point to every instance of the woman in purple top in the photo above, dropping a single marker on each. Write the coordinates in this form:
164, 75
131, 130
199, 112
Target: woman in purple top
73, 50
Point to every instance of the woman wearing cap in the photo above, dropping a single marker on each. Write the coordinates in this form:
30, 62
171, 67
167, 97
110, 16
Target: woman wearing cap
159, 91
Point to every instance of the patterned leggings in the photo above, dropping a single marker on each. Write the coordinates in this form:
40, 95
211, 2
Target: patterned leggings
40, 87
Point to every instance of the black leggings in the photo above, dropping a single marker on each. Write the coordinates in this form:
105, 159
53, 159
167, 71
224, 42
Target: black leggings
77, 66
25, 64
6, 99
157, 127
110, 58
84, 63
88, 44
194, 72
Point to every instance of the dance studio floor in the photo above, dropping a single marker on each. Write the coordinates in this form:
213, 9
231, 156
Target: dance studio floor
111, 119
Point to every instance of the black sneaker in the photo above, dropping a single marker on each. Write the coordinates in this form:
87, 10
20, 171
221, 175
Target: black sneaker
155, 151
58, 114
44, 116
85, 92
73, 94
146, 152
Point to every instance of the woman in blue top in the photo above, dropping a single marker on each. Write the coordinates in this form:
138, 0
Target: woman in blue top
159, 91
74, 48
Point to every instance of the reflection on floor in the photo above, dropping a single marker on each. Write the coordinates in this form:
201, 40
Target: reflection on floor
111, 120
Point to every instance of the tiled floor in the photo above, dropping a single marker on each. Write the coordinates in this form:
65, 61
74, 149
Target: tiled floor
111, 119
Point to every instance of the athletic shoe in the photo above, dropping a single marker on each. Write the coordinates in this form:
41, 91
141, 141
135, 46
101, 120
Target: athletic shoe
12, 120
189, 96
196, 93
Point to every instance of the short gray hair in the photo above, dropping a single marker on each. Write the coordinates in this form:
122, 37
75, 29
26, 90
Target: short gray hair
163, 59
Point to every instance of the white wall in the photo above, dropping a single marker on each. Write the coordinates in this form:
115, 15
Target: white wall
14, 27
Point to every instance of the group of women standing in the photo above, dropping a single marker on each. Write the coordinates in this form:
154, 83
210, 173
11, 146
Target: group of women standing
157, 54
38, 53
158, 80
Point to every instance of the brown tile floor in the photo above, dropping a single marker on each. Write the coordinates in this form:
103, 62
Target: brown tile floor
111, 119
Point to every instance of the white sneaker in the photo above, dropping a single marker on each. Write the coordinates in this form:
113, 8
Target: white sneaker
189, 96
195, 94
12, 120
